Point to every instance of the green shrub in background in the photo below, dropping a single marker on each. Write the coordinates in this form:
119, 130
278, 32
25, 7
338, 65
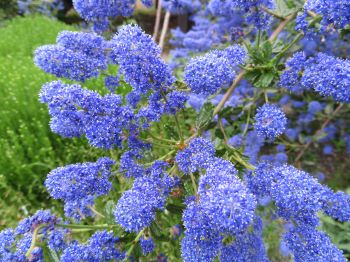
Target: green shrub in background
8, 9
28, 148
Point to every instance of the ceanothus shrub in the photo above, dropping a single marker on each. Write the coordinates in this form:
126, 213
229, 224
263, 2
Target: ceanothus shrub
195, 164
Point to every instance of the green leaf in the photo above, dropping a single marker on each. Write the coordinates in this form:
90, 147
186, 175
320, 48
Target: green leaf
205, 115
171, 131
49, 255
175, 208
188, 188
108, 212
265, 80
229, 111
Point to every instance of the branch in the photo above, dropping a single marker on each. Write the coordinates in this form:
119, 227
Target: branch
157, 23
164, 29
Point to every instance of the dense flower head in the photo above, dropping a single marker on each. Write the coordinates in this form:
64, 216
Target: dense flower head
57, 240
270, 121
100, 247
194, 249
296, 194
230, 207
15, 244
219, 172
76, 111
181, 6
335, 13
98, 10
74, 183
326, 74
159, 104
290, 79
197, 155
80, 208
134, 50
309, 244
137, 207
215, 70
252, 9
337, 205
7, 239
247, 246
147, 245
329, 76
76, 56
41, 217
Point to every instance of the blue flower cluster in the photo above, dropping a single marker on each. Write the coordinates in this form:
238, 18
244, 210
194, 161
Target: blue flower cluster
76, 111
247, 246
147, 245
15, 244
99, 11
270, 121
198, 154
334, 13
207, 74
76, 56
205, 32
102, 246
181, 6
252, 9
137, 207
326, 74
298, 198
77, 185
308, 244
223, 205
133, 50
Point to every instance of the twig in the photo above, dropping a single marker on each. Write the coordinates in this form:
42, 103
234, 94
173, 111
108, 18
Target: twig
281, 26
194, 185
325, 123
95, 211
270, 12
164, 29
136, 240
222, 129
157, 23
33, 244
229, 92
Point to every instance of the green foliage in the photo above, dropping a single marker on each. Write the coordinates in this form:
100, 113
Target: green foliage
8, 9
338, 232
28, 148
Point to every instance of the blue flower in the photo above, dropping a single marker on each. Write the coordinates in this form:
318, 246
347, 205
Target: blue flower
181, 6
76, 56
133, 50
197, 155
270, 121
308, 244
75, 184
147, 245
137, 207
247, 246
207, 74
